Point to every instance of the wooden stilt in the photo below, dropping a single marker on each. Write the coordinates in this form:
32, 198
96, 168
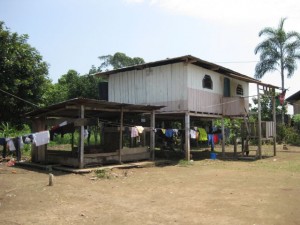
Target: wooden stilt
187, 136
81, 140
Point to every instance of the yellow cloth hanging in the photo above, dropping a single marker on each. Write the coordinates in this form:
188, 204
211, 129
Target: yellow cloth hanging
202, 134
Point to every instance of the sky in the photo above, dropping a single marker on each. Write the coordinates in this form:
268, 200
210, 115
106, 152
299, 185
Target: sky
72, 34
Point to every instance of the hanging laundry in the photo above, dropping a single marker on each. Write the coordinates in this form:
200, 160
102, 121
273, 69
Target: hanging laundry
134, 132
86, 133
41, 138
10, 144
175, 132
202, 134
17, 147
211, 141
21, 143
63, 124
169, 133
28, 139
216, 138
2, 141
4, 147
193, 134
62, 129
140, 129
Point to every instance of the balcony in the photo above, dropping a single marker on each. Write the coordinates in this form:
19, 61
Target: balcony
235, 106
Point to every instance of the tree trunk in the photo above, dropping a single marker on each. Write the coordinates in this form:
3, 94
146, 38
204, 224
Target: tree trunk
282, 86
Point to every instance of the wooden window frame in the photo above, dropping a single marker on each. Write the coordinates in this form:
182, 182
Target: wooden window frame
207, 82
239, 90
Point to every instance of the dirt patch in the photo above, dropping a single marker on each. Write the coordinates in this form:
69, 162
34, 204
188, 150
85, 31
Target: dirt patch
207, 191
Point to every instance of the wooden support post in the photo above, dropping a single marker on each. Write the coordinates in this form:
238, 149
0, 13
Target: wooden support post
223, 138
121, 135
234, 146
38, 153
152, 134
274, 121
234, 140
81, 140
259, 122
187, 136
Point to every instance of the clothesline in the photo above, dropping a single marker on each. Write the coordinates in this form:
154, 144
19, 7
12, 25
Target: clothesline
17, 143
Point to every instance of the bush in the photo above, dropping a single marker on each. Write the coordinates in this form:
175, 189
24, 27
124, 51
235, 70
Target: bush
287, 135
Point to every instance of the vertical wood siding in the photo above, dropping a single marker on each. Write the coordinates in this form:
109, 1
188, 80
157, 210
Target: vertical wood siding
162, 85
296, 107
235, 106
176, 86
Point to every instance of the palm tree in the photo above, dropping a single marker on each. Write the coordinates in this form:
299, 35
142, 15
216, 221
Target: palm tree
279, 51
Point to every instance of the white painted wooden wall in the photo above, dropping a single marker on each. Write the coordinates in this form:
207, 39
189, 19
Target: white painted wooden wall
176, 86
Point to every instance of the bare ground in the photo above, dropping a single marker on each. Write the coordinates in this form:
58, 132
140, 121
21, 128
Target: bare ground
258, 192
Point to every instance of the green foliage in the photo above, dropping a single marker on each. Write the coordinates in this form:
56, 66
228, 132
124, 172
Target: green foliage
296, 122
184, 162
55, 93
6, 130
23, 73
287, 135
266, 108
102, 173
72, 85
279, 51
296, 118
94, 70
118, 60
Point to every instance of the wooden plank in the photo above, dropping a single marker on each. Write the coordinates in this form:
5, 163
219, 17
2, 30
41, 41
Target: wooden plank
121, 136
81, 139
187, 136
103, 154
84, 122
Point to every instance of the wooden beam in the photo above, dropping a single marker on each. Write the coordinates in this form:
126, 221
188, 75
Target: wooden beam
187, 136
152, 134
223, 138
85, 122
259, 122
274, 120
121, 135
215, 68
81, 140
101, 109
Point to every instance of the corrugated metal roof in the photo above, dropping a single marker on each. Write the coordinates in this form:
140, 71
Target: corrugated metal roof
293, 97
189, 59
70, 108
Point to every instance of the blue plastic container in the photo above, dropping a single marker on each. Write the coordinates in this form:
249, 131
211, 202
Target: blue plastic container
213, 155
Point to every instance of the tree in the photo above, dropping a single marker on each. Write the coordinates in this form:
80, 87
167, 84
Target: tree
23, 73
279, 51
118, 60
72, 85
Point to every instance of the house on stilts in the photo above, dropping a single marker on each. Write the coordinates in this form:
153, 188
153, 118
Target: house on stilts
137, 101
191, 90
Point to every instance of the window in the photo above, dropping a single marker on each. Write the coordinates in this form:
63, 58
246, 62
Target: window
239, 90
207, 82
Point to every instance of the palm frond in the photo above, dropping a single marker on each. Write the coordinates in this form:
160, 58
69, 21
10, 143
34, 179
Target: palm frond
268, 31
281, 23
265, 66
293, 34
